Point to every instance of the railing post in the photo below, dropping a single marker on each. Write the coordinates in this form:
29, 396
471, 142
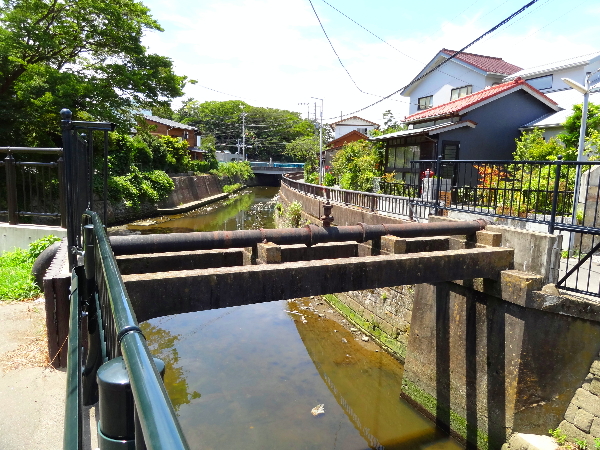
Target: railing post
11, 189
555, 194
438, 168
62, 186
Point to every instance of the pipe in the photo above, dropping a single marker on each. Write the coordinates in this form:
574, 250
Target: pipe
309, 235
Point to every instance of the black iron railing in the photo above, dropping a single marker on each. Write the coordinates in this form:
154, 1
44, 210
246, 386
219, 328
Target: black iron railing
113, 336
33, 188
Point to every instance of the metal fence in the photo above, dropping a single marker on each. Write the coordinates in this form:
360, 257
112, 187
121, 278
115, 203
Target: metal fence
142, 414
33, 186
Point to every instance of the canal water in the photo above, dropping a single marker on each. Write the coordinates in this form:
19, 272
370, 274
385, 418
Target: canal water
279, 375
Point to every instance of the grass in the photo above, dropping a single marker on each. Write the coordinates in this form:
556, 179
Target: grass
16, 280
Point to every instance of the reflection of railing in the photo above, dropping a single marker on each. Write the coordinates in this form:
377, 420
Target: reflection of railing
113, 331
388, 204
33, 188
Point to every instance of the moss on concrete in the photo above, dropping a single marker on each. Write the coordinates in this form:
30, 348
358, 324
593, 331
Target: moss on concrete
368, 327
458, 424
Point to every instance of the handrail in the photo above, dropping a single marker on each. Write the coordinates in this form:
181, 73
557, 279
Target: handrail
52, 151
159, 423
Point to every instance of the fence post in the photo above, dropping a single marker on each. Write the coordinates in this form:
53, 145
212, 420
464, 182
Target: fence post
11, 189
438, 168
61, 192
555, 193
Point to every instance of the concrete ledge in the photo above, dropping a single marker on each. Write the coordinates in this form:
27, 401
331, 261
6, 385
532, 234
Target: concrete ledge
520, 441
192, 205
21, 236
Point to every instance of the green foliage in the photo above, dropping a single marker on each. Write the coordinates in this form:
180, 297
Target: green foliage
16, 281
305, 149
597, 443
572, 125
290, 217
234, 169
267, 129
531, 146
390, 125
138, 186
229, 188
559, 436
85, 55
329, 179
581, 444
356, 164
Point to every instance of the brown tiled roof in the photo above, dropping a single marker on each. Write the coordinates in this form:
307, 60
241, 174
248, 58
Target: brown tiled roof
488, 63
456, 106
353, 136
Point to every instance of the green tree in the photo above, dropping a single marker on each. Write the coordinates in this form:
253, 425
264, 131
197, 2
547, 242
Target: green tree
570, 137
86, 55
531, 146
305, 149
356, 164
390, 125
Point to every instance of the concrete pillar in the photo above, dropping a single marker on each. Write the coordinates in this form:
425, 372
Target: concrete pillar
268, 253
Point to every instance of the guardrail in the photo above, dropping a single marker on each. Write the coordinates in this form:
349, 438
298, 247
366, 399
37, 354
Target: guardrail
380, 203
33, 188
113, 337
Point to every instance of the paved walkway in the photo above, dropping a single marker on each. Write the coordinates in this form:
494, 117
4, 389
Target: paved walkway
31, 394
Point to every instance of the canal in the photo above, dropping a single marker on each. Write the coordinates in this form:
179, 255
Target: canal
281, 375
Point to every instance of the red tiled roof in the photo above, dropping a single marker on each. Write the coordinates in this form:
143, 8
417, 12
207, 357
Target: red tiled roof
456, 106
488, 63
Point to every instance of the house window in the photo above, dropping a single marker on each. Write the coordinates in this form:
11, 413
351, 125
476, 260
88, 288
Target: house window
362, 130
541, 82
400, 157
425, 102
460, 92
185, 135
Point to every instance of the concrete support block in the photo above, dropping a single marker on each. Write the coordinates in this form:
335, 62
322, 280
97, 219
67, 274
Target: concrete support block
583, 420
488, 238
519, 441
573, 433
595, 428
595, 387
393, 245
517, 286
268, 253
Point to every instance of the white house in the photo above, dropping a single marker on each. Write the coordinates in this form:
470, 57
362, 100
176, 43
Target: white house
465, 74
548, 79
353, 123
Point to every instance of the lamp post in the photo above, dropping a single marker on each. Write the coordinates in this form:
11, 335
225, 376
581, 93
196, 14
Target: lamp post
320, 143
585, 90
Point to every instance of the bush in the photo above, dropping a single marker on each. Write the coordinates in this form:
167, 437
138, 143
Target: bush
16, 280
234, 169
229, 188
138, 186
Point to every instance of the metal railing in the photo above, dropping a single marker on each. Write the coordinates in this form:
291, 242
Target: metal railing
113, 332
381, 203
33, 188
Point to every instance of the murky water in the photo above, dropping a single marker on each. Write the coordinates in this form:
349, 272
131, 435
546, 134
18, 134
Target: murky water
249, 209
248, 377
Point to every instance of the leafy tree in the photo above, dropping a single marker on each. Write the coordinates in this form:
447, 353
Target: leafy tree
305, 149
356, 164
531, 146
390, 125
572, 125
86, 55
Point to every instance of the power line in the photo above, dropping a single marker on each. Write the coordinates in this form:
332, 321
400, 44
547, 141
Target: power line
491, 30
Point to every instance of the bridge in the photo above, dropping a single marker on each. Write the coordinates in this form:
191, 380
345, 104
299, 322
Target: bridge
476, 361
271, 168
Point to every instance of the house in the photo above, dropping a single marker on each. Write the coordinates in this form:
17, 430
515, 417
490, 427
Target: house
465, 74
166, 127
353, 123
548, 79
345, 131
479, 126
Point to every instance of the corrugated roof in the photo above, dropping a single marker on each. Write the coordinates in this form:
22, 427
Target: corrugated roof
170, 123
433, 129
456, 106
490, 64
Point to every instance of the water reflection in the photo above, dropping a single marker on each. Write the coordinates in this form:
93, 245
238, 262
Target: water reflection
249, 209
260, 370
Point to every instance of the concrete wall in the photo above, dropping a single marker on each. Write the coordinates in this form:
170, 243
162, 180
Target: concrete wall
21, 236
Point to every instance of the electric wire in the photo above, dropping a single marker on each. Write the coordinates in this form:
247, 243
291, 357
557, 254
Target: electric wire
491, 30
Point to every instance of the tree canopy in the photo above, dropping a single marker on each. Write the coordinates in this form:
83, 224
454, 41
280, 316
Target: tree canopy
85, 55
267, 130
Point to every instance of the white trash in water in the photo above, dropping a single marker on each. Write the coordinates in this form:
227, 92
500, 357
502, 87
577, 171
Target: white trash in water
318, 410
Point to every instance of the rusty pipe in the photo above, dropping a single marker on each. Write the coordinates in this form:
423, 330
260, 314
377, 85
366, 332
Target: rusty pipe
309, 235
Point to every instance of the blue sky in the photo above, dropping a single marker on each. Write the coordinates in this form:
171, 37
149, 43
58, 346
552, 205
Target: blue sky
273, 53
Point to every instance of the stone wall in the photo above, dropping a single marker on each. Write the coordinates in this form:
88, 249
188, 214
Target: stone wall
582, 418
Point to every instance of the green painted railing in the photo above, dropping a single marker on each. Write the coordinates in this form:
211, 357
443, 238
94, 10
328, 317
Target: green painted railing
98, 289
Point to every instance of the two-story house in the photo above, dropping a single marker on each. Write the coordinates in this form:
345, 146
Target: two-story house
166, 127
345, 131
465, 74
548, 79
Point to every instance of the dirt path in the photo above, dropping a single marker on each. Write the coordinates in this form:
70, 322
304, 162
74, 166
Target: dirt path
31, 394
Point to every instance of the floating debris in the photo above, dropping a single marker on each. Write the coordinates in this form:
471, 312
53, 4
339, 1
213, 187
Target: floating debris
318, 410
344, 341
354, 329
365, 338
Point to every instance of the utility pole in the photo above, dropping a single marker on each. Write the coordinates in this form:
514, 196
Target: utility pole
243, 134
320, 140
307, 104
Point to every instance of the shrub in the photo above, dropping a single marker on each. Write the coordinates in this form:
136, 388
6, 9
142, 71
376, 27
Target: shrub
229, 188
234, 169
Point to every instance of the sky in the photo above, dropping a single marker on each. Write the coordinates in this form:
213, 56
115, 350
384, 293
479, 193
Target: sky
273, 53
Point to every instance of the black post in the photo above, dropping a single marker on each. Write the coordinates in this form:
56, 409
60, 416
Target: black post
62, 194
438, 168
555, 194
11, 189
70, 185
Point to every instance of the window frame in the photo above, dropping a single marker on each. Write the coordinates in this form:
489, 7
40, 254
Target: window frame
429, 103
468, 89
550, 77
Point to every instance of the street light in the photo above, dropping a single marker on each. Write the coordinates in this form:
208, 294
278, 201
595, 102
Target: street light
586, 91
320, 143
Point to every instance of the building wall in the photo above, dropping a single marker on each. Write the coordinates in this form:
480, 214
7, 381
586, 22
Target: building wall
164, 130
343, 128
497, 127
